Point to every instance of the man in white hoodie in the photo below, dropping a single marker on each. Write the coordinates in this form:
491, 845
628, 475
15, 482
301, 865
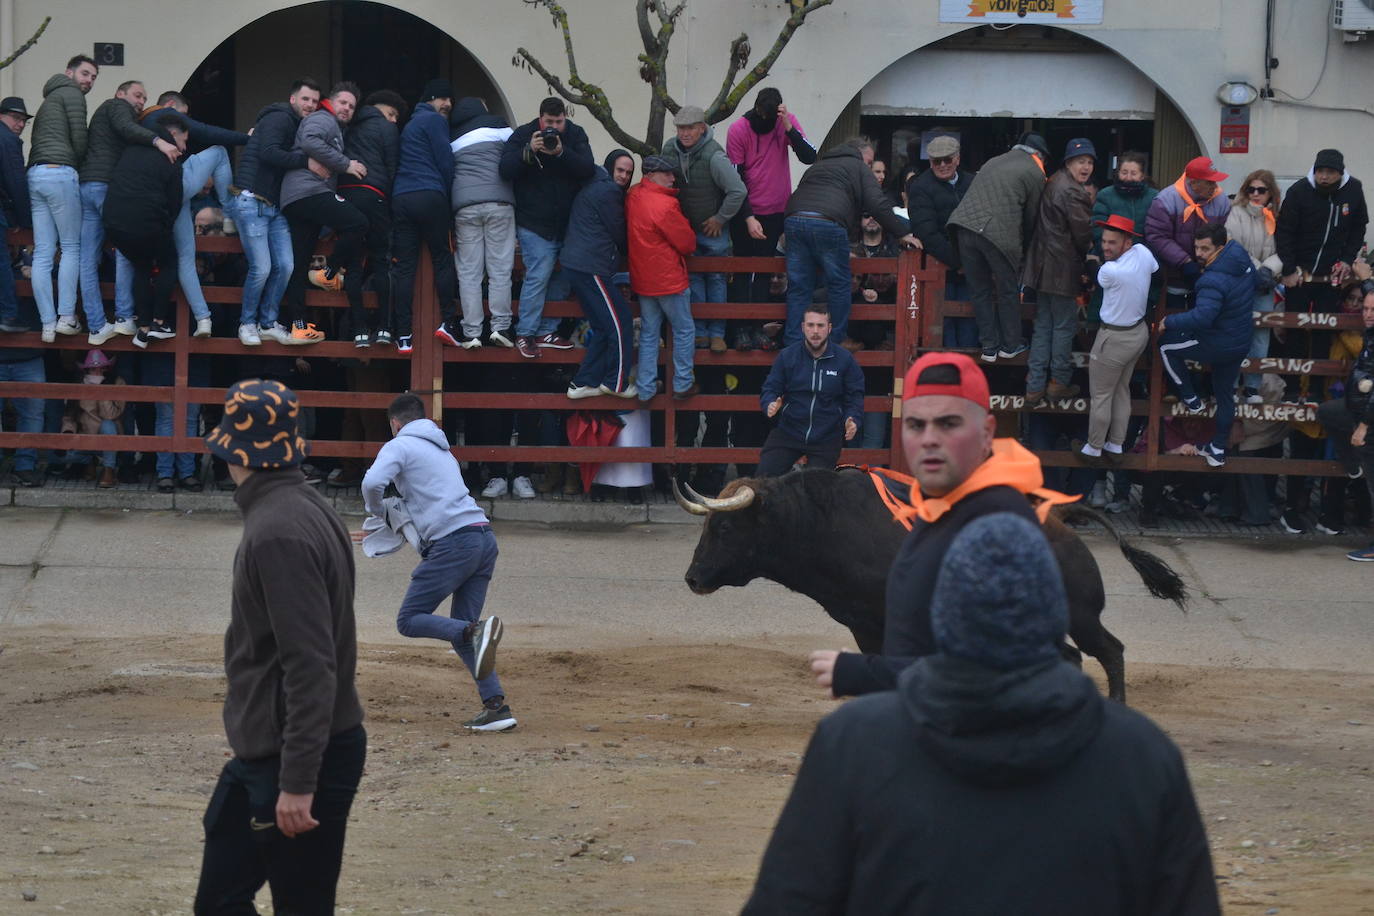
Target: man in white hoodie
457, 552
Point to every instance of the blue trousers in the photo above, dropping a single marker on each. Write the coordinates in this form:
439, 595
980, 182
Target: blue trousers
812, 244
610, 350
460, 565
28, 411
1178, 346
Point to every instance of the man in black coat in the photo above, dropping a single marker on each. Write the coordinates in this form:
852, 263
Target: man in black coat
1347, 418
142, 204
930, 200
373, 139
14, 202
995, 779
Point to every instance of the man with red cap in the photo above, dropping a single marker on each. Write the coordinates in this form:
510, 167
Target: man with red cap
1194, 200
962, 473
1121, 337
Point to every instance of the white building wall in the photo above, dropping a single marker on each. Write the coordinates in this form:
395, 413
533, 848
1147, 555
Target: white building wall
1187, 47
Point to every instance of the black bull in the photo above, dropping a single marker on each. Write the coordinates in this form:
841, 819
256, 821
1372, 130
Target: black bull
827, 535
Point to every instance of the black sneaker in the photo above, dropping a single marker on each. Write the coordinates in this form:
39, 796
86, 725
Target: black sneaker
1194, 405
491, 720
486, 636
1292, 522
403, 344
989, 354
141, 339
29, 478
1013, 352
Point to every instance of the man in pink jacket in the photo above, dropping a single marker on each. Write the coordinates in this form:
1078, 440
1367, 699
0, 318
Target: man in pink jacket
757, 144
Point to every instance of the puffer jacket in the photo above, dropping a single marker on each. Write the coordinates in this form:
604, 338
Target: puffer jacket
479, 140
1170, 237
546, 185
1063, 236
113, 127
320, 137
373, 141
596, 229
1245, 224
841, 188
59, 127
426, 162
270, 154
1318, 228
658, 238
709, 184
144, 197
1002, 203
1223, 302
1361, 403
929, 204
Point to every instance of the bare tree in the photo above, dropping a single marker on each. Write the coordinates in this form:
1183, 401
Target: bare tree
656, 34
33, 40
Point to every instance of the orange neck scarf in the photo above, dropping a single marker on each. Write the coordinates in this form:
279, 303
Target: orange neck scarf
1010, 465
1269, 220
1191, 208
1040, 162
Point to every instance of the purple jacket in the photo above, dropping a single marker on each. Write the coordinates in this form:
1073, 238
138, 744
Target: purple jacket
1169, 237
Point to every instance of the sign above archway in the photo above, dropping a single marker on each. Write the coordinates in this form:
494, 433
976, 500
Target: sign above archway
1022, 12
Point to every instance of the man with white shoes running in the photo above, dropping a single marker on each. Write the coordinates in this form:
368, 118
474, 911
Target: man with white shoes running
457, 550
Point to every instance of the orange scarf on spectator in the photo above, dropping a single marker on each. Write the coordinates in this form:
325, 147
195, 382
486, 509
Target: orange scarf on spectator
1010, 465
1269, 220
1181, 186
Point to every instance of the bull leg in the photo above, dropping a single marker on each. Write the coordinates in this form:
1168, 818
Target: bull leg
1111, 654
869, 640
1071, 655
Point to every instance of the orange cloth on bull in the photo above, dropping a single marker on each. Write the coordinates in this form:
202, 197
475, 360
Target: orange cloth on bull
1190, 208
1010, 465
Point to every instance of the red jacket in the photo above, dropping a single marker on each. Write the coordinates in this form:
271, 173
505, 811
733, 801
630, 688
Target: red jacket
659, 238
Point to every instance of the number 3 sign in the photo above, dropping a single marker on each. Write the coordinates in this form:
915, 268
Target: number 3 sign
109, 54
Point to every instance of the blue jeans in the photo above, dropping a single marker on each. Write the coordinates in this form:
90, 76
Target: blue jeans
195, 172
183, 462
677, 308
1051, 350
1259, 339
709, 287
959, 333
542, 282
92, 235
55, 198
812, 244
28, 411
460, 565
266, 241
1178, 346
107, 457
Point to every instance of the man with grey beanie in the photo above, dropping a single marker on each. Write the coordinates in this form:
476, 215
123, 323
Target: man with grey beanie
995, 778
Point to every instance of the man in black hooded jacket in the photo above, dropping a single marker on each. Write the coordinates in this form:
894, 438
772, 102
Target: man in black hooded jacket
373, 139
995, 779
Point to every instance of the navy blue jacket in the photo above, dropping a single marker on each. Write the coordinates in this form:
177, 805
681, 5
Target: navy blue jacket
546, 185
596, 228
270, 152
199, 136
818, 395
14, 182
1223, 302
426, 160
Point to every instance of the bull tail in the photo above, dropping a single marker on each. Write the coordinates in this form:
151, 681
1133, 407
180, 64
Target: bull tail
1159, 577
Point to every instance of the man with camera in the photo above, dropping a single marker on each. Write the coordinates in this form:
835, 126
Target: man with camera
547, 159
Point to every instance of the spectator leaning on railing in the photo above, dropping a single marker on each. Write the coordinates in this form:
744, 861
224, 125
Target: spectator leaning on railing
1347, 419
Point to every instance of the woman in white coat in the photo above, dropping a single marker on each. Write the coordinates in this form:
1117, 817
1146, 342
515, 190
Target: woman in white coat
1254, 214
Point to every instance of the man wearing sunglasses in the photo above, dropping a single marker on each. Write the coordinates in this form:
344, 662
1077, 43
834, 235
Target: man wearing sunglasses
931, 198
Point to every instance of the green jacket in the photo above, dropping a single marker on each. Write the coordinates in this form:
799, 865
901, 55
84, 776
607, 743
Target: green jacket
113, 127
710, 184
1111, 200
59, 127
1002, 203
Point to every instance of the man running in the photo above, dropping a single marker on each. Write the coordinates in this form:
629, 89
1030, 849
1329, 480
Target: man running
457, 549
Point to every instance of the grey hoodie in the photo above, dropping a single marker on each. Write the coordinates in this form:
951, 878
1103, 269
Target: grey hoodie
320, 137
426, 474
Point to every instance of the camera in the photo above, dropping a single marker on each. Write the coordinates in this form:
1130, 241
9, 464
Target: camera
550, 137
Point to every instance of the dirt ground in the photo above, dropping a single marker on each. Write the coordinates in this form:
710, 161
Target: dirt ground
640, 781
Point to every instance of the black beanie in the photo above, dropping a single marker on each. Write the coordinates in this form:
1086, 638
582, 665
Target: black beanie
437, 88
1035, 142
999, 600
1329, 159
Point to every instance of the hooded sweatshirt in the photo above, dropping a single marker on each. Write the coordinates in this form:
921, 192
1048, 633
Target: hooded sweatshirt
427, 476
1318, 227
759, 149
969, 790
59, 133
479, 140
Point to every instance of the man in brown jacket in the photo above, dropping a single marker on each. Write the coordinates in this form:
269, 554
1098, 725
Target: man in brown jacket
1054, 269
291, 711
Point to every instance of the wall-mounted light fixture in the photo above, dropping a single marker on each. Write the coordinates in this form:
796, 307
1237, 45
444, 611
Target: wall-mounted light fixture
1235, 93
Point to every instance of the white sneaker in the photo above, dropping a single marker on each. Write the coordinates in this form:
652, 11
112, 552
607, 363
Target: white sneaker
248, 335
68, 325
577, 392
630, 391
522, 488
278, 332
126, 326
1098, 497
202, 327
96, 338
495, 488
49, 333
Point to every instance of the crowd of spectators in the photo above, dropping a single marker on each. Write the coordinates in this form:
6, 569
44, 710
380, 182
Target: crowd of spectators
1031, 225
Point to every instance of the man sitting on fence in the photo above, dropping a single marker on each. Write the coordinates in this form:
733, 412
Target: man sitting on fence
1215, 331
815, 393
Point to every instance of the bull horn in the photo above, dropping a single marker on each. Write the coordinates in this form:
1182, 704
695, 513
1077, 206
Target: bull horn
742, 497
684, 502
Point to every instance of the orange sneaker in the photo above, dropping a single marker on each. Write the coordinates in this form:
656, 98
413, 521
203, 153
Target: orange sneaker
306, 335
323, 280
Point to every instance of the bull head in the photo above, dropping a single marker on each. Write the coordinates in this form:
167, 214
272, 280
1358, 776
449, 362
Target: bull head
704, 505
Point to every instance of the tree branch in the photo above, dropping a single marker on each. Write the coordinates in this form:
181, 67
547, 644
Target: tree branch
33, 40
646, 32
731, 97
554, 82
